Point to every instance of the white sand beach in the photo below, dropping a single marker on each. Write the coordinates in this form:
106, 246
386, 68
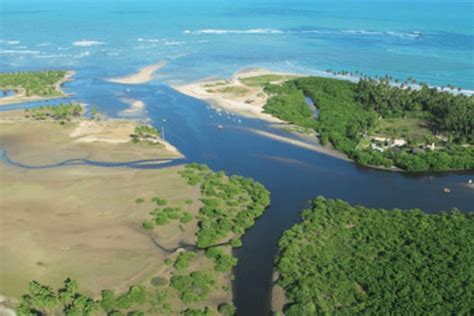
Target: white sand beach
144, 75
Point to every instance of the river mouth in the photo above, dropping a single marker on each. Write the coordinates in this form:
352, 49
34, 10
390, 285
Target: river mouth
292, 174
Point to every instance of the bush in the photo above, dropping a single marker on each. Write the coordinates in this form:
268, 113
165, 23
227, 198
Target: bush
193, 287
227, 309
236, 243
186, 218
148, 225
159, 281
183, 260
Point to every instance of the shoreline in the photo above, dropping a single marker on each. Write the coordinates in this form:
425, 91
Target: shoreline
106, 139
143, 75
20, 97
249, 105
300, 143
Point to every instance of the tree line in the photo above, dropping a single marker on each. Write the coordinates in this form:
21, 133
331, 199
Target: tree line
349, 112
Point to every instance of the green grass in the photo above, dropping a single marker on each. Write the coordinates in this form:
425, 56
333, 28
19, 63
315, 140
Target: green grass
411, 129
261, 80
214, 84
235, 91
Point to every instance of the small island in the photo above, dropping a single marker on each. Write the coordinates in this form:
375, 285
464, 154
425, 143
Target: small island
33, 86
344, 259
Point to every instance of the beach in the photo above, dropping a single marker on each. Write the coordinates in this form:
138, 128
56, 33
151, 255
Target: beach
234, 95
144, 75
32, 141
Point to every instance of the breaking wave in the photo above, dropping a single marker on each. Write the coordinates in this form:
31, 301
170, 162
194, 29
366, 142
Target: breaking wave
86, 43
224, 31
328, 32
7, 42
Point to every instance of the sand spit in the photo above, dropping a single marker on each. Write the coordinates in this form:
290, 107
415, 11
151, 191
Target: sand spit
299, 143
143, 76
137, 108
235, 96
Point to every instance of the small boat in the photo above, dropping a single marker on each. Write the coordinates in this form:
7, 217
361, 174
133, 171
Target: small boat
220, 126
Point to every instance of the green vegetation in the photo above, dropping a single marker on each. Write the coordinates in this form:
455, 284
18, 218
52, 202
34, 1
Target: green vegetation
43, 300
231, 204
236, 243
234, 90
261, 80
351, 260
183, 260
41, 83
289, 104
186, 218
227, 309
197, 312
194, 173
376, 123
145, 134
223, 262
60, 112
193, 287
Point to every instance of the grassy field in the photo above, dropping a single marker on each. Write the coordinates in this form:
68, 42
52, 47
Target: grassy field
261, 80
411, 129
235, 91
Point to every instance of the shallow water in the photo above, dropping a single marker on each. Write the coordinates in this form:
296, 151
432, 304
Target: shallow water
430, 40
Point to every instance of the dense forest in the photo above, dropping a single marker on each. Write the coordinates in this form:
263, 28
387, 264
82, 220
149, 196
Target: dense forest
353, 260
40, 83
350, 114
230, 206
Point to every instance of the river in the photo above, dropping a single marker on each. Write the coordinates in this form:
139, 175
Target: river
293, 175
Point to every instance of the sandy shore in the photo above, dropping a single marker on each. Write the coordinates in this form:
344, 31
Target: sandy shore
142, 76
137, 108
233, 95
21, 97
299, 143
32, 141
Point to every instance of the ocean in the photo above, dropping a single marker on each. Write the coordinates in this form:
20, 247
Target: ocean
429, 40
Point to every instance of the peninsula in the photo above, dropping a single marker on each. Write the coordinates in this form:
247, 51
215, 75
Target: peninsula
374, 122
33, 86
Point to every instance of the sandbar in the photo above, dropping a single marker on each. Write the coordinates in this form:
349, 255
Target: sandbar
144, 75
137, 108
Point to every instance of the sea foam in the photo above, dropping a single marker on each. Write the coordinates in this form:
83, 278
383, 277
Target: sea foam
85, 43
224, 31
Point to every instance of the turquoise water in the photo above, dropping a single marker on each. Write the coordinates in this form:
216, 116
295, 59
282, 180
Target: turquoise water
429, 40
